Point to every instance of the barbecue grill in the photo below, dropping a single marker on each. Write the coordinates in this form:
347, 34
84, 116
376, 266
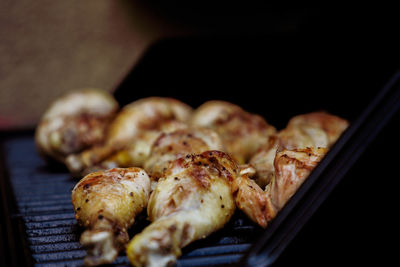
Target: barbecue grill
278, 76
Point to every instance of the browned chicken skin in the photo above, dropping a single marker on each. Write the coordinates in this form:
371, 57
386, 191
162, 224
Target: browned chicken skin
316, 129
197, 191
263, 162
242, 132
292, 167
73, 122
193, 200
170, 146
106, 203
284, 162
131, 134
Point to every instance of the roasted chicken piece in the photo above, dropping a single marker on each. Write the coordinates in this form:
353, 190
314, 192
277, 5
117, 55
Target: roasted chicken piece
170, 146
73, 122
132, 134
292, 167
193, 200
242, 132
263, 162
317, 129
136, 153
106, 203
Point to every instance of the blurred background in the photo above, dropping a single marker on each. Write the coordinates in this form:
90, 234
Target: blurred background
195, 51
51, 47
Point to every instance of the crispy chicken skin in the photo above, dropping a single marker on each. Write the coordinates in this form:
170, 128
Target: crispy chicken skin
170, 146
193, 200
73, 122
316, 129
106, 203
132, 134
137, 152
263, 162
242, 132
292, 167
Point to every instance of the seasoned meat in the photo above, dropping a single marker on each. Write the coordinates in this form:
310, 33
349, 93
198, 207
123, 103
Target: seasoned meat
193, 200
317, 129
73, 122
292, 167
242, 133
106, 204
173, 145
132, 134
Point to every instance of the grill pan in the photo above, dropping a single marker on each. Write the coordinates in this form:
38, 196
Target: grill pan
45, 213
38, 226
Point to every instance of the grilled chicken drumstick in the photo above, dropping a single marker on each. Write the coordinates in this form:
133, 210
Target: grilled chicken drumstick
193, 200
106, 203
170, 146
316, 129
242, 132
291, 169
74, 122
132, 134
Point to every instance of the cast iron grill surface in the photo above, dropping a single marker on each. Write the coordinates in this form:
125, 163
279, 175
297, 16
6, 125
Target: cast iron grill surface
42, 195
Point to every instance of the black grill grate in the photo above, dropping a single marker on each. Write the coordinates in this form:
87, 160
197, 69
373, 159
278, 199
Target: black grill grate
43, 204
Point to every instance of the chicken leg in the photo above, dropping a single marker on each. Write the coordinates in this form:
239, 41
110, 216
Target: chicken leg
316, 129
292, 167
131, 135
193, 200
106, 203
170, 146
241, 132
74, 122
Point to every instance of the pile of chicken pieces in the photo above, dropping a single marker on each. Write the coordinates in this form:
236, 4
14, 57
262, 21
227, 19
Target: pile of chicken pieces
189, 167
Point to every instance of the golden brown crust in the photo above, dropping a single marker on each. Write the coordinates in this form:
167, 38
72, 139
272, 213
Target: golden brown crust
132, 133
146, 114
250, 198
242, 132
317, 129
292, 167
170, 146
73, 122
107, 192
193, 200
106, 204
263, 161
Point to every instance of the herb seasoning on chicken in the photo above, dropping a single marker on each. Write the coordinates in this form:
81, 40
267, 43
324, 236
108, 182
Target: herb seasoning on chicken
242, 132
106, 203
193, 200
316, 129
131, 135
74, 122
170, 146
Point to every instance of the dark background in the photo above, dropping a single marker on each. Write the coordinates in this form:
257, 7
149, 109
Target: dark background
279, 62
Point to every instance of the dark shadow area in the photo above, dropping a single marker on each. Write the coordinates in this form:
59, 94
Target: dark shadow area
326, 62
